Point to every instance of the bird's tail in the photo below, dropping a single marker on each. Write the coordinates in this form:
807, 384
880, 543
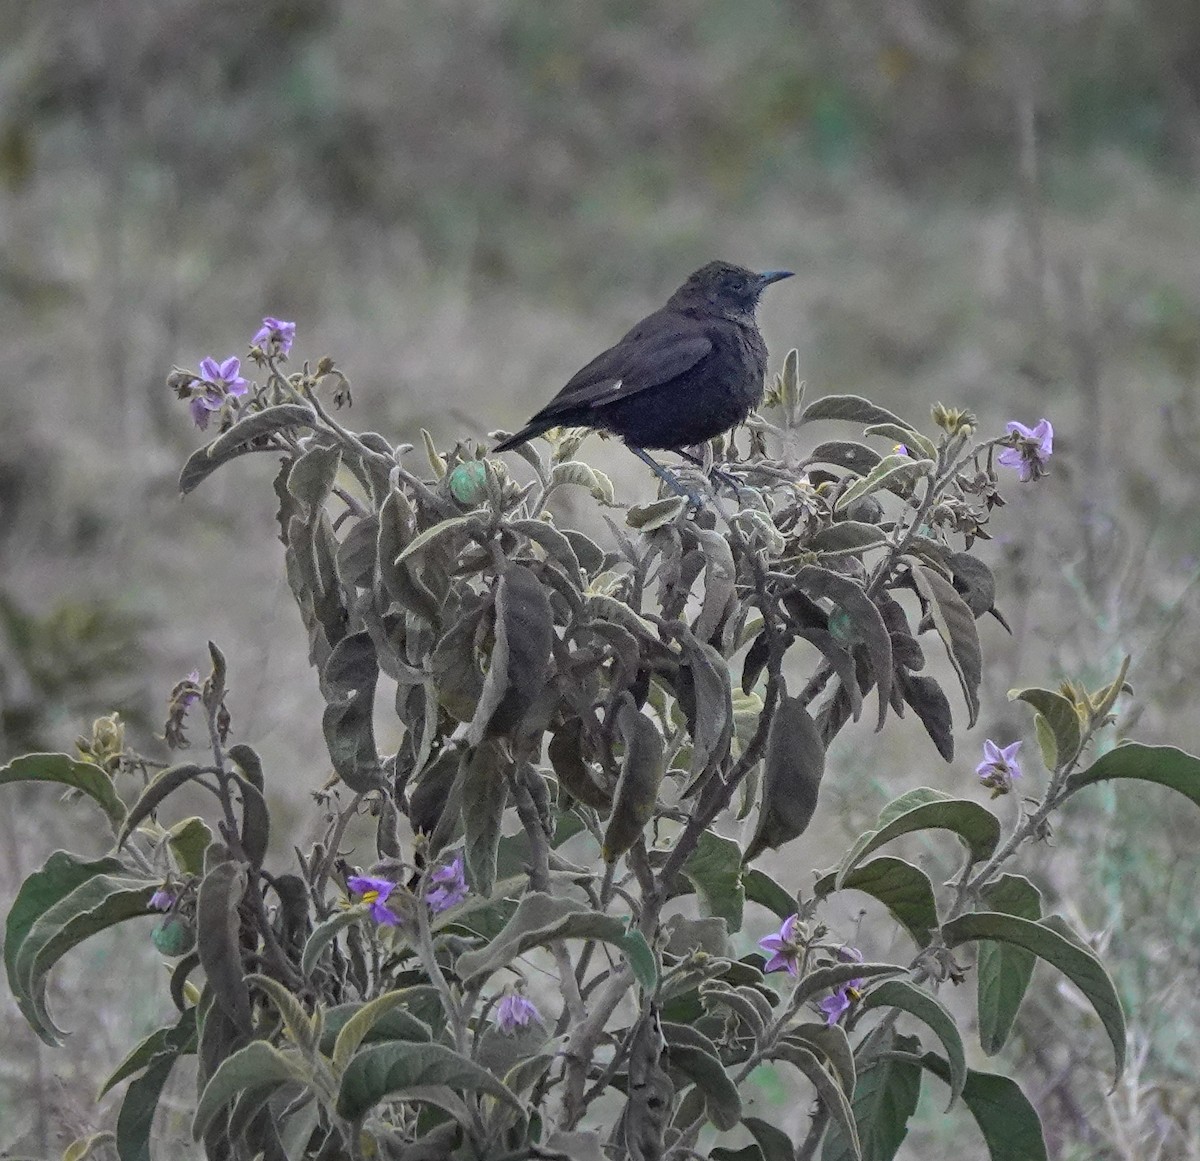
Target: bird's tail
523, 436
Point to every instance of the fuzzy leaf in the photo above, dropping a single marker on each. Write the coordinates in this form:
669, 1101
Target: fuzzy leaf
484, 798
885, 1096
794, 765
854, 457
1060, 716
714, 868
1003, 971
1163, 765
853, 409
240, 439
67, 771
636, 794
955, 624
257, 1065
903, 889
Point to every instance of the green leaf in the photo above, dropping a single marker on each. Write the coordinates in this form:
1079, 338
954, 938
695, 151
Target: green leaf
61, 875
356, 1029
585, 476
423, 540
387, 1069
827, 978
189, 839
760, 888
163, 784
648, 517
903, 889
853, 409
927, 1008
895, 473
696, 1056
710, 717
775, 1144
520, 656
932, 706
348, 681
136, 1117
67, 771
323, 934
241, 438
218, 926
977, 826
1011, 1127
955, 624
414, 1021
848, 536
868, 623
636, 793
898, 433
312, 475
829, 1092
170, 1042
793, 768
1003, 971
885, 1096
1163, 765
854, 457
539, 920
714, 868
1060, 715
1080, 966
484, 798
830, 1041
97, 901
257, 1065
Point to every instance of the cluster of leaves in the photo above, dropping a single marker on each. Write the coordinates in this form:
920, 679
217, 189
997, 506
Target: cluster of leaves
570, 726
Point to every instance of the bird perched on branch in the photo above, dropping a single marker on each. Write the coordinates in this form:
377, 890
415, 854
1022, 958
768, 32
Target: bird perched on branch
690, 371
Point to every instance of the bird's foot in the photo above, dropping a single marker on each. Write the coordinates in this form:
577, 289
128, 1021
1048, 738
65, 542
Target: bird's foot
669, 478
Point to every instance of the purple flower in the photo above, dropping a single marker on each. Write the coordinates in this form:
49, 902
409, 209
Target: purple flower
999, 767
836, 1005
451, 886
375, 892
275, 336
1031, 451
515, 1011
225, 377
163, 899
783, 947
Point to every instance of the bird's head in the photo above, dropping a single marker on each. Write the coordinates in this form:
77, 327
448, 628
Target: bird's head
728, 287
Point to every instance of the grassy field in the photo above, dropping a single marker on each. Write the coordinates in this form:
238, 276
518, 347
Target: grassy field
462, 202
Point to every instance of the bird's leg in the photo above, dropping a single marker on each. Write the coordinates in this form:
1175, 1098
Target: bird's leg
716, 472
667, 476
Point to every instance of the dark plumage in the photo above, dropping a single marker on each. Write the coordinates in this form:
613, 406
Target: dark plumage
684, 374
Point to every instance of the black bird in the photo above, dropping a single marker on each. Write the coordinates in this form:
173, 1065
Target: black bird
684, 374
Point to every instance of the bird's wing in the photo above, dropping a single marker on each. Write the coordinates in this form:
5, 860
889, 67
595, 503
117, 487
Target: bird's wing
646, 357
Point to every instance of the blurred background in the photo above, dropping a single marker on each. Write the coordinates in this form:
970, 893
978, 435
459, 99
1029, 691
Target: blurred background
992, 204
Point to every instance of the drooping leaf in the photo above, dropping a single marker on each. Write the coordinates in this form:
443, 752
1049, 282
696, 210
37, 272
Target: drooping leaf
1003, 970
648, 517
67, 771
58, 878
217, 928
927, 1008
636, 793
794, 766
714, 868
1162, 765
458, 525
829, 1091
831, 1042
867, 621
484, 798
955, 624
174, 1040
762, 889
539, 920
932, 707
696, 1056
520, 656
977, 826
136, 1117
720, 573
97, 901
853, 409
348, 680
1060, 716
189, 839
312, 475
774, 1143
574, 773
247, 435
710, 717
1011, 1127
1077, 963
258, 1064
903, 889
885, 1097
901, 434
894, 473
165, 783
390, 1069
826, 978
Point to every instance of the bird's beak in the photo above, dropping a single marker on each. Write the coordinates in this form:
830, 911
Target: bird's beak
768, 276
